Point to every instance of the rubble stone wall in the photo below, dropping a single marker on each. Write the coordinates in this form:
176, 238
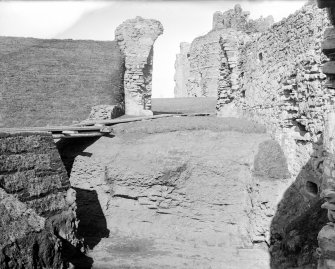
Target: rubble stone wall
281, 81
37, 206
136, 37
56, 82
205, 60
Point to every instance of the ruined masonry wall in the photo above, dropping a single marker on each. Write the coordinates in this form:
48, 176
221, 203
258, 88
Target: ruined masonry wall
36, 202
282, 85
205, 62
136, 37
281, 78
205, 57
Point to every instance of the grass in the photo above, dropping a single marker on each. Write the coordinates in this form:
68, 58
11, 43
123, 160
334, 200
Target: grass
189, 123
55, 82
184, 105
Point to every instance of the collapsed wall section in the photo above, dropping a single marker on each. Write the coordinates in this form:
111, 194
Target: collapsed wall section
57, 82
136, 38
37, 206
205, 60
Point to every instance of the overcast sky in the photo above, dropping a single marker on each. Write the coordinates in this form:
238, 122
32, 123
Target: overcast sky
182, 21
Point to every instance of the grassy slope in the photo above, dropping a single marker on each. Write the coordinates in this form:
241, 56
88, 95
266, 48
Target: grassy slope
184, 105
56, 81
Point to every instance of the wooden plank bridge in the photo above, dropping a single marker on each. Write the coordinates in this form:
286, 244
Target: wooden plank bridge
90, 128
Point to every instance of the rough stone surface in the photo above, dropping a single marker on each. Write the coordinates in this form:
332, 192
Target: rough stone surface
280, 79
205, 61
135, 38
204, 67
105, 112
37, 206
239, 20
56, 82
181, 193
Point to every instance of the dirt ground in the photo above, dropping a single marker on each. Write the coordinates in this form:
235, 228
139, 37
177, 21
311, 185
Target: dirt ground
172, 193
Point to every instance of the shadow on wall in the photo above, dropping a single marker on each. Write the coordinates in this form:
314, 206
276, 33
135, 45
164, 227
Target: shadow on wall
298, 220
92, 225
70, 148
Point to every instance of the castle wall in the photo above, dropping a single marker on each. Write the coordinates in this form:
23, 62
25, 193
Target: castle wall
57, 82
280, 84
281, 81
203, 70
36, 202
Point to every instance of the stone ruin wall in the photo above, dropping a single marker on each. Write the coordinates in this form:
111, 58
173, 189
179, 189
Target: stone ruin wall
204, 62
200, 69
280, 83
136, 38
37, 205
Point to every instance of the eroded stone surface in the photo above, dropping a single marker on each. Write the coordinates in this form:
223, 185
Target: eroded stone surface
211, 67
37, 206
180, 199
136, 37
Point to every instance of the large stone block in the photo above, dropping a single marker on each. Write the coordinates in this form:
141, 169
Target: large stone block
37, 216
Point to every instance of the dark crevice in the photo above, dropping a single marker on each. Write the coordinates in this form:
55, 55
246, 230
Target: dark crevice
312, 188
124, 196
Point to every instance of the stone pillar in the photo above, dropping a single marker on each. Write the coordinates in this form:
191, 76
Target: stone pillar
182, 70
326, 237
136, 38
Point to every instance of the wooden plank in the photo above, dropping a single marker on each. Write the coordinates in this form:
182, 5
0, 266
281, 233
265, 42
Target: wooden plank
52, 129
95, 126
77, 135
117, 121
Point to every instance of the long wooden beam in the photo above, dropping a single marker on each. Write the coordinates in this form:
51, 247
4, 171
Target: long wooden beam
91, 128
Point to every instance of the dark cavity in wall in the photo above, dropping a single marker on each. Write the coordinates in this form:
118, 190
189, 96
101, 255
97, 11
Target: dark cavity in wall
312, 188
260, 56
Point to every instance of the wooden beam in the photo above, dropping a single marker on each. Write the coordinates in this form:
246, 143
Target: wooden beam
77, 135
93, 127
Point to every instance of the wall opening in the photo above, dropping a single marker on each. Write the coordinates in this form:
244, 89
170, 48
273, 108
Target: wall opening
260, 56
312, 188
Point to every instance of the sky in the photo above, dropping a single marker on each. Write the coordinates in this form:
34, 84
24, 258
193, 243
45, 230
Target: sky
97, 20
